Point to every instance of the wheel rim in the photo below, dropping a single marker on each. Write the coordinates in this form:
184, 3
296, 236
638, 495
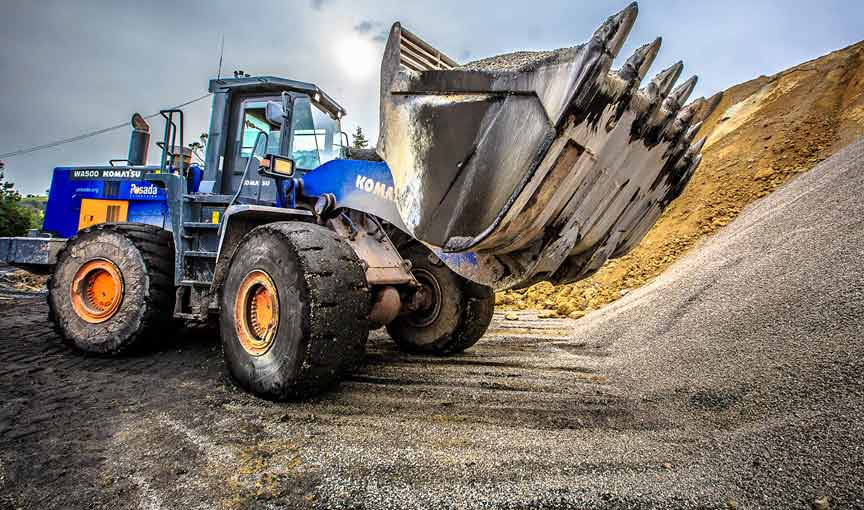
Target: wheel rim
256, 312
429, 314
97, 291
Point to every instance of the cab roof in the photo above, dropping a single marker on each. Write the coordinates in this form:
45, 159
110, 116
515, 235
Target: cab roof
276, 84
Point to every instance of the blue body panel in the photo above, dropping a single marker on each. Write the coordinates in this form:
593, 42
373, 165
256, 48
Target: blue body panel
147, 202
356, 184
368, 186
361, 185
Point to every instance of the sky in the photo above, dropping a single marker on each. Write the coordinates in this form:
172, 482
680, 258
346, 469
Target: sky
74, 66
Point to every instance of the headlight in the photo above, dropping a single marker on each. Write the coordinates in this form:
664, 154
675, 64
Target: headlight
277, 166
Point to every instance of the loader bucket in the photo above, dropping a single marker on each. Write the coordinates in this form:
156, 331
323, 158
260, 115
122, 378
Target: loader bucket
535, 165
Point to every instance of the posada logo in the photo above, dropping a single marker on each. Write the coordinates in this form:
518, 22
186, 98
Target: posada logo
149, 190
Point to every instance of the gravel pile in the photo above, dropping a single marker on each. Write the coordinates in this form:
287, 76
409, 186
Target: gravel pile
364, 154
752, 347
520, 61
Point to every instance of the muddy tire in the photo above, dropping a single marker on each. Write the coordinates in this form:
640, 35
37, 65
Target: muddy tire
458, 315
294, 311
113, 287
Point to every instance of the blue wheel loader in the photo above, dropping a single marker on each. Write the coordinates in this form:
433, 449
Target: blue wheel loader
492, 175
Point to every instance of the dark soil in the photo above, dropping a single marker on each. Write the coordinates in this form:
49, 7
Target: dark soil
167, 428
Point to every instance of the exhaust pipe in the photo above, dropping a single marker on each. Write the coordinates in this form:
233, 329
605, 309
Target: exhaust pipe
139, 143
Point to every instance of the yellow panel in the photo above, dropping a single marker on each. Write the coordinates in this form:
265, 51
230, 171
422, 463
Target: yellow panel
94, 211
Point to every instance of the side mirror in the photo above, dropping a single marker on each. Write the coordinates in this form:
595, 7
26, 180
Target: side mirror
274, 113
278, 167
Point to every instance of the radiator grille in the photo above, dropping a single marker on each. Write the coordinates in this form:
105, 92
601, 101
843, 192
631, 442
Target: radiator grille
112, 215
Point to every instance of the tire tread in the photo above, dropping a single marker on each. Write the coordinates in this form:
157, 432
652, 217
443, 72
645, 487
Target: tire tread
156, 247
337, 329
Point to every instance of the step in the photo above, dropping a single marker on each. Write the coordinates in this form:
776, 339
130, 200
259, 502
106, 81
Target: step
196, 283
206, 198
200, 254
200, 225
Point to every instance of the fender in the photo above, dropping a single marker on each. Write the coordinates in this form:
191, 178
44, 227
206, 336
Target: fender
361, 185
237, 221
367, 186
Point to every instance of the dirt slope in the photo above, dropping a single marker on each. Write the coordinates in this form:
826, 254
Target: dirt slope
764, 132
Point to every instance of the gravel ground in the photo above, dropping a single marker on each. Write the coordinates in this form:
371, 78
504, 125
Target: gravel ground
752, 348
736, 376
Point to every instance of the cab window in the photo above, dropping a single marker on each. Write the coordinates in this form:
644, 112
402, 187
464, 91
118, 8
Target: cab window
316, 134
254, 122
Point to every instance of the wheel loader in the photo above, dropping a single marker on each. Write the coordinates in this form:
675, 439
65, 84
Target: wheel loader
487, 176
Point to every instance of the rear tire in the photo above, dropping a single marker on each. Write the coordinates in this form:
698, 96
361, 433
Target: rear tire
457, 317
294, 311
113, 287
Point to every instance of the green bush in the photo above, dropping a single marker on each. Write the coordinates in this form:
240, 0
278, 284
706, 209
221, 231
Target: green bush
15, 219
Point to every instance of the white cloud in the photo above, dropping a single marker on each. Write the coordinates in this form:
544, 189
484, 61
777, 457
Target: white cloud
71, 67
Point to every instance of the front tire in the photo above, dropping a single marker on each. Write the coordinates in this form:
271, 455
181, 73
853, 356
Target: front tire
113, 287
294, 311
457, 311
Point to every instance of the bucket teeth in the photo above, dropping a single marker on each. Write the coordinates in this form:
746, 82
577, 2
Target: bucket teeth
695, 107
682, 120
679, 186
613, 32
660, 85
657, 120
690, 153
693, 166
636, 67
678, 96
688, 113
696, 148
691, 132
710, 105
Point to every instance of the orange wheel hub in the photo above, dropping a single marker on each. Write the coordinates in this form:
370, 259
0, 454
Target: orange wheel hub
97, 291
256, 312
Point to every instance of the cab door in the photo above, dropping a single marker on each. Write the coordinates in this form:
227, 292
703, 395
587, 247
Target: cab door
248, 119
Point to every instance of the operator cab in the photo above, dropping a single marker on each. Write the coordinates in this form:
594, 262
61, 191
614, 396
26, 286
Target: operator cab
264, 108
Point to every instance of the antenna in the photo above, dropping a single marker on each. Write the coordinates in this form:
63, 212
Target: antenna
221, 52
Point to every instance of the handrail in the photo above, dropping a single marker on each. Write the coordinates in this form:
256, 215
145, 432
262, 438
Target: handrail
171, 130
248, 164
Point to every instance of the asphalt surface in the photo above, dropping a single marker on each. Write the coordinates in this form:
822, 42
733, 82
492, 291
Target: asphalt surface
734, 377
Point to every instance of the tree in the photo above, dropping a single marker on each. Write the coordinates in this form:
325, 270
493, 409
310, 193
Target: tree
15, 219
359, 140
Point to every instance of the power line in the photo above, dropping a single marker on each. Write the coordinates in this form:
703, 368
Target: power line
91, 134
